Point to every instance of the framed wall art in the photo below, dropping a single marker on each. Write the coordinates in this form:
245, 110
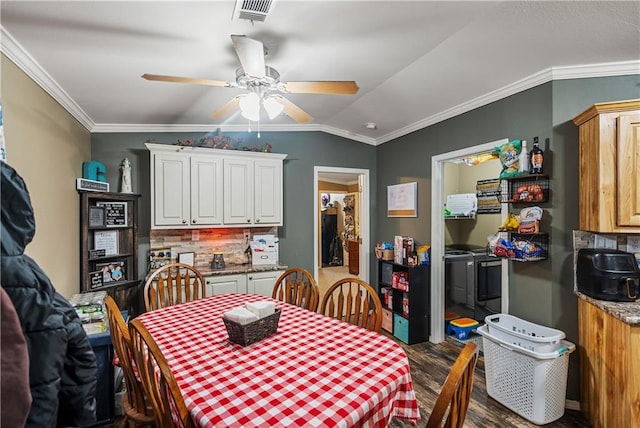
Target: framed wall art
402, 200
115, 213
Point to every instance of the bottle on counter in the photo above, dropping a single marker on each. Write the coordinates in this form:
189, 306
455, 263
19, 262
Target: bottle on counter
537, 157
523, 159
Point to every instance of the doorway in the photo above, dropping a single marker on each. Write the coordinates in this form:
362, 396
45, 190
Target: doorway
346, 192
438, 237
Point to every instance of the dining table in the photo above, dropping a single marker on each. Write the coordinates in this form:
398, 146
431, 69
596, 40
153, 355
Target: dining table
314, 371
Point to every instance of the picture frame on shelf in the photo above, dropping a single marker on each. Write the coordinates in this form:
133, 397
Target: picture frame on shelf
96, 217
115, 213
106, 240
113, 271
95, 279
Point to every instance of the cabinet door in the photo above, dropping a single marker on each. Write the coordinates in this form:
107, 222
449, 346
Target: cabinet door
267, 185
226, 284
206, 190
262, 282
238, 194
628, 187
170, 190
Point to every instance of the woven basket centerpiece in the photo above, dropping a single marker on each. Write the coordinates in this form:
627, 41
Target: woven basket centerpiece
246, 334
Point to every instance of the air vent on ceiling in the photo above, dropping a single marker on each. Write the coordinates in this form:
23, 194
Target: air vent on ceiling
252, 10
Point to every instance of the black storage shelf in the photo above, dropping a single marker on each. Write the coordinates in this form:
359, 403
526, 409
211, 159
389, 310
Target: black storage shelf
418, 294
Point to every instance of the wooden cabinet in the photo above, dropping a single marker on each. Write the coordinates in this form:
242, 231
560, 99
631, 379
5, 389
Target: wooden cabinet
222, 284
354, 257
609, 380
262, 282
109, 247
410, 304
194, 187
187, 190
609, 156
253, 191
253, 282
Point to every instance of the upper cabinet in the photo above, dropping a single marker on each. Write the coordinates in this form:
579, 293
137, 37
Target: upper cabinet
609, 136
198, 187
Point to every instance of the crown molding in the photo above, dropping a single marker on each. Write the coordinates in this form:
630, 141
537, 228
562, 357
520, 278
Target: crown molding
25, 62
552, 73
18, 55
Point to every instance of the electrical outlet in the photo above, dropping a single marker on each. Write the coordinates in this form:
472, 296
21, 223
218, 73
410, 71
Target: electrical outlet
195, 235
247, 234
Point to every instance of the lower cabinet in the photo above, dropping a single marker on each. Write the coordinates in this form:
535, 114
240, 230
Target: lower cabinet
223, 284
262, 282
253, 282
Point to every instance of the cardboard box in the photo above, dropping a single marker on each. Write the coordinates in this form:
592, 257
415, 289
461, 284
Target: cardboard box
264, 251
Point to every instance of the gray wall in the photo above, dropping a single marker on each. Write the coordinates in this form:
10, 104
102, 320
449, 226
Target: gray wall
540, 292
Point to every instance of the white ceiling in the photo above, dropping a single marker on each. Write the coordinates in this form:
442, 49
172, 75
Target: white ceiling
416, 62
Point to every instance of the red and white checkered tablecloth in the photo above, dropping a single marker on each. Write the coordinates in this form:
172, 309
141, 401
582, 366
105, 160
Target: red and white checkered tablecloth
314, 372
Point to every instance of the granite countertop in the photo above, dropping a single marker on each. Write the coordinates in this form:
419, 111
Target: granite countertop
231, 269
627, 312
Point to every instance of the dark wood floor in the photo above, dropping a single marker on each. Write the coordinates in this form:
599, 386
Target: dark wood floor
430, 366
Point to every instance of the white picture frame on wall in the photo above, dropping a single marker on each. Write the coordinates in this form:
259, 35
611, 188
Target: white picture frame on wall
402, 200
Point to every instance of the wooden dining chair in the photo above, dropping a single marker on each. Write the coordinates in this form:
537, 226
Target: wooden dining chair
172, 284
298, 287
158, 380
453, 400
354, 301
136, 405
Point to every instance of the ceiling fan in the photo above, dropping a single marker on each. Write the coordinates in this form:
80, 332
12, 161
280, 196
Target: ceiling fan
263, 85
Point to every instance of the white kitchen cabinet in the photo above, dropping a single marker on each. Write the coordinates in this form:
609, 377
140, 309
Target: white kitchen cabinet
262, 282
222, 284
253, 191
186, 190
195, 187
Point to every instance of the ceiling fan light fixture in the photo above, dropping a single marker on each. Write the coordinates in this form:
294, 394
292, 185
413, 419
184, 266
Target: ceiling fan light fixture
272, 107
250, 106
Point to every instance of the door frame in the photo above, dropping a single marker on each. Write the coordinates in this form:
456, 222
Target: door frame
438, 200
365, 233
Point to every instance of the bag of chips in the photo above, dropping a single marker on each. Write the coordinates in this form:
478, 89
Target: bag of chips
508, 153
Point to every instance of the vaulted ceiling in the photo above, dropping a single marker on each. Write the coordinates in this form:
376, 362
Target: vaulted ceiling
415, 62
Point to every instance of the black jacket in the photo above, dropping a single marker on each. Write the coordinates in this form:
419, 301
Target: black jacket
62, 369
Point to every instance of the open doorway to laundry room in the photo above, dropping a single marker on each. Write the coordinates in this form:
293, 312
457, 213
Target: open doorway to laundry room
341, 224
439, 189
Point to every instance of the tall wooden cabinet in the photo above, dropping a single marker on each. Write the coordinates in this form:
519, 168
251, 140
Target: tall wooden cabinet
109, 247
609, 135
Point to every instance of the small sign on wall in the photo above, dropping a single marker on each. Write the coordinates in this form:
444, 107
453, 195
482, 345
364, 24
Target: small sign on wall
402, 200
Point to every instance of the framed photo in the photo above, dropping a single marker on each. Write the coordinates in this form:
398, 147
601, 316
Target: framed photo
115, 213
402, 200
112, 271
96, 217
186, 258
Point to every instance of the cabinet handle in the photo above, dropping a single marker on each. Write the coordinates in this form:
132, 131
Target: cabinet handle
257, 220
193, 221
248, 220
184, 221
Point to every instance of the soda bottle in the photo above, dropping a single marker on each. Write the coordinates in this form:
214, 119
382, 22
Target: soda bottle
537, 157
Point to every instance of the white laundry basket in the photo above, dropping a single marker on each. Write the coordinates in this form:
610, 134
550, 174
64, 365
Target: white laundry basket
525, 334
532, 384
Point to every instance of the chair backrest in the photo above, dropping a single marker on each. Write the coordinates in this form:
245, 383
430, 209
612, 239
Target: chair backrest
354, 301
453, 400
122, 345
172, 284
297, 286
157, 379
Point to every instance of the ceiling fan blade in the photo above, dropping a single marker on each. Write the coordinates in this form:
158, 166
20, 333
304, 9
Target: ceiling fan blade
251, 55
293, 111
335, 87
226, 109
176, 79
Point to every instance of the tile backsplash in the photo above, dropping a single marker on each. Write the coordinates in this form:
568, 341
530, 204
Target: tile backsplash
204, 242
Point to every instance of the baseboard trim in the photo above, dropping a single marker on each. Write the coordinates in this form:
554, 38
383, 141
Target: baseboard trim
572, 405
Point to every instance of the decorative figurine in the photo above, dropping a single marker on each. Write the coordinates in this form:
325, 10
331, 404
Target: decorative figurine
126, 176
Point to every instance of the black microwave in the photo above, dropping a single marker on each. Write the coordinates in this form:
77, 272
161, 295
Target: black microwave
607, 274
